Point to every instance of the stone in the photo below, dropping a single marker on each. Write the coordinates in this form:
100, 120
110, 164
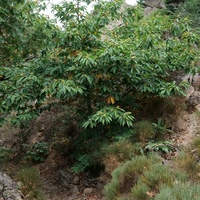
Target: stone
76, 180
9, 188
75, 190
194, 99
88, 190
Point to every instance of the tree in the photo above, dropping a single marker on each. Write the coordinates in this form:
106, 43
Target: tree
102, 68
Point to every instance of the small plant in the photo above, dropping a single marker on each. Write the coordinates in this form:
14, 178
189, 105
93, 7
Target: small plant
5, 154
117, 153
82, 163
31, 185
144, 131
160, 127
38, 152
161, 146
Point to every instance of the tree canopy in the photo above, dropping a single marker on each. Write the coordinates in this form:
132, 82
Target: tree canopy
105, 69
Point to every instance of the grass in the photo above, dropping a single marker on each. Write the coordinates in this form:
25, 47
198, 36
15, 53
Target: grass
183, 191
187, 162
126, 176
30, 183
144, 131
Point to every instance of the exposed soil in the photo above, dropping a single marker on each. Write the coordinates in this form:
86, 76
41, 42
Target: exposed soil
53, 187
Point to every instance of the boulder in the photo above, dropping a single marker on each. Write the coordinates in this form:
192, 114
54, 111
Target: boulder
8, 188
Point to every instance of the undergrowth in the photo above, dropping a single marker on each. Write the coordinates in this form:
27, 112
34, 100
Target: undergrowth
30, 183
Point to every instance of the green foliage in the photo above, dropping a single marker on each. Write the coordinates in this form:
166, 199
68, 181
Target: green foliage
140, 191
151, 180
82, 163
38, 152
5, 154
157, 175
126, 176
191, 9
160, 146
183, 191
107, 114
104, 73
161, 127
188, 162
78, 62
123, 149
30, 183
142, 178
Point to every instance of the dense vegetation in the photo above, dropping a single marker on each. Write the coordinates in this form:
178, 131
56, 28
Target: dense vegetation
98, 78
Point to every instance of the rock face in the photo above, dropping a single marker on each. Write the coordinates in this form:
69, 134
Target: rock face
194, 99
153, 5
8, 188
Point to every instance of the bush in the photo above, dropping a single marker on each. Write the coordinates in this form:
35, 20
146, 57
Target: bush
126, 176
119, 152
31, 185
188, 162
38, 152
183, 191
151, 181
5, 154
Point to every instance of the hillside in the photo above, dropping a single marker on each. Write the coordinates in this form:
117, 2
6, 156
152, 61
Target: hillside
106, 107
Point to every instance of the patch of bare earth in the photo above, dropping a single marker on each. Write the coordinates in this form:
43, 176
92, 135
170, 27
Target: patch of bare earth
55, 188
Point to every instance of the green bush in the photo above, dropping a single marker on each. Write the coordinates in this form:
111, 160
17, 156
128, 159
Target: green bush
188, 163
161, 146
140, 191
38, 152
126, 176
191, 9
123, 150
119, 152
151, 181
180, 191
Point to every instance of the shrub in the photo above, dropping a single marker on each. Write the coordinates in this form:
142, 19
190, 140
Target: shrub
188, 162
38, 152
144, 131
161, 146
119, 152
5, 154
126, 176
151, 180
140, 191
183, 191
31, 185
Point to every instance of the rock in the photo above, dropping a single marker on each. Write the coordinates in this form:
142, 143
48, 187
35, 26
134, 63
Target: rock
8, 188
67, 179
88, 190
99, 185
75, 190
194, 99
76, 180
